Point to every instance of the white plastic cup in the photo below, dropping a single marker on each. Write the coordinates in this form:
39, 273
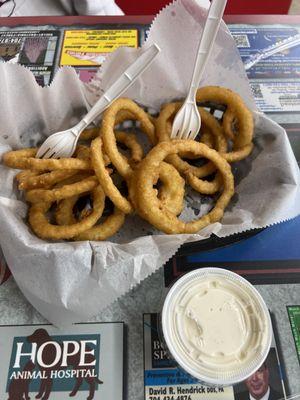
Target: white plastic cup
223, 342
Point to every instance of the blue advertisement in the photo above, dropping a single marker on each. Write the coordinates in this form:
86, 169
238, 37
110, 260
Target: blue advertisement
271, 55
256, 43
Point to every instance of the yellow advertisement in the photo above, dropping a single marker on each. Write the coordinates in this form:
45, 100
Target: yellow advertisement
90, 47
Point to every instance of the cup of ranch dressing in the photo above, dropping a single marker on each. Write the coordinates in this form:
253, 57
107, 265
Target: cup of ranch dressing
216, 326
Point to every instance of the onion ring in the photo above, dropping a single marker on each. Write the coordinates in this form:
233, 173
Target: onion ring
107, 183
64, 216
108, 135
69, 190
227, 121
129, 140
184, 167
46, 180
49, 179
209, 120
42, 228
90, 133
203, 186
25, 159
23, 176
208, 139
64, 211
236, 107
164, 127
171, 194
106, 229
29, 179
158, 215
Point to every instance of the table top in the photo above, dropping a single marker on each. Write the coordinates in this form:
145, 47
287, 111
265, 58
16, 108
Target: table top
148, 296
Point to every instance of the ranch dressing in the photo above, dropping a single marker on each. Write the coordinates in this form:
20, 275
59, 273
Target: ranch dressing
216, 326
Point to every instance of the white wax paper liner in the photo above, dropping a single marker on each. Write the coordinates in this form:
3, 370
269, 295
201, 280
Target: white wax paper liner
69, 282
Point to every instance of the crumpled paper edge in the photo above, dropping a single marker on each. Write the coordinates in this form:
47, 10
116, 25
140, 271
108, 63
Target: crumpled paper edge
101, 81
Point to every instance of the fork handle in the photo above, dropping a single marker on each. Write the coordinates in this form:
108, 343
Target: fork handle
207, 41
119, 86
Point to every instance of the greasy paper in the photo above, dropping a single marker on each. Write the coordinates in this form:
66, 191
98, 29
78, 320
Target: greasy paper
71, 281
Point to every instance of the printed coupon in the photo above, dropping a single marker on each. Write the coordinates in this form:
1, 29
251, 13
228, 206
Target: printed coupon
36, 50
90, 47
165, 380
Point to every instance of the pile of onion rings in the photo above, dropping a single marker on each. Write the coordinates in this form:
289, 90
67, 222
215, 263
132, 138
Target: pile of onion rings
87, 196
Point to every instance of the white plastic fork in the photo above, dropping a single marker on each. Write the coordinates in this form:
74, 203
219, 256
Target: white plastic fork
63, 144
187, 122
